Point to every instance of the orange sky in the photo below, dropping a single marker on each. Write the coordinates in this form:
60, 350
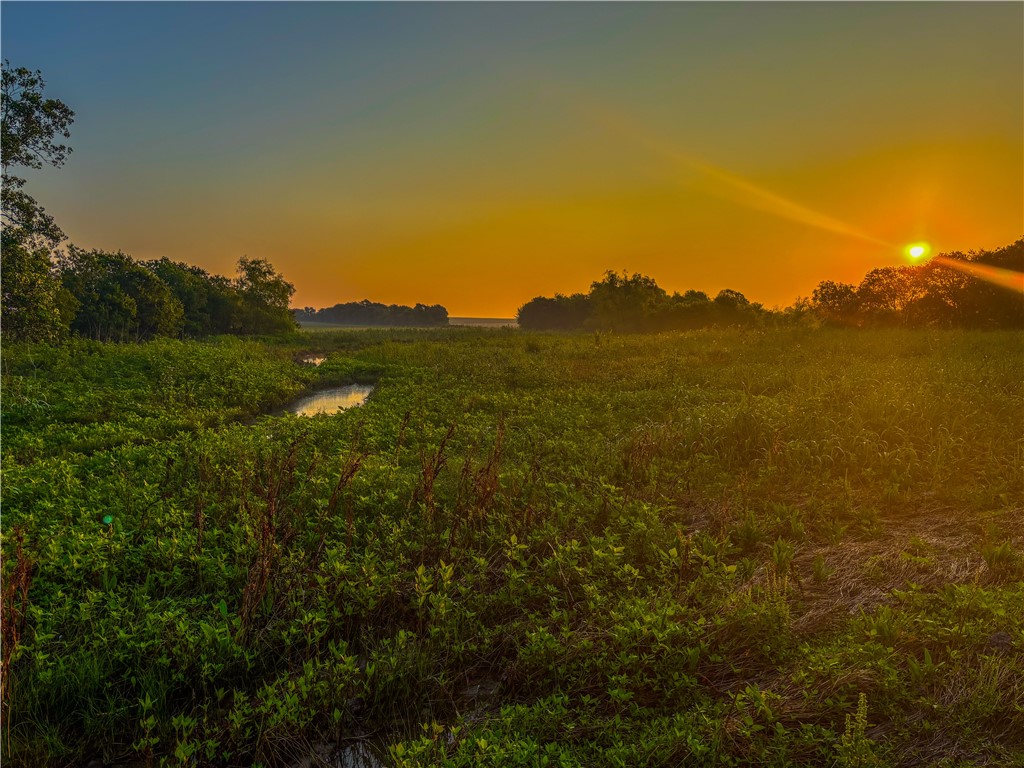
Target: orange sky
477, 155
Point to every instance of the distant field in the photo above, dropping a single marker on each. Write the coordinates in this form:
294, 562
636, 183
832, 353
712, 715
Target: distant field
790, 547
484, 322
477, 322
312, 325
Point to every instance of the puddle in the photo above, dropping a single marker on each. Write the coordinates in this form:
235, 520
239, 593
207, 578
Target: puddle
330, 400
357, 755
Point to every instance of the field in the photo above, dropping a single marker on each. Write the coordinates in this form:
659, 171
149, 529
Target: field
785, 547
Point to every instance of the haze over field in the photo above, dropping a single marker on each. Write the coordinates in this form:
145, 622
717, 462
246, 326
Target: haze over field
478, 156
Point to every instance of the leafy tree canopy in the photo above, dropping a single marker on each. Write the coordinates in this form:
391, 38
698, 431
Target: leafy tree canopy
636, 303
949, 290
31, 127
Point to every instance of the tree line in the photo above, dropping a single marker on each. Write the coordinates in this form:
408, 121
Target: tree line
367, 312
948, 291
636, 303
112, 297
50, 291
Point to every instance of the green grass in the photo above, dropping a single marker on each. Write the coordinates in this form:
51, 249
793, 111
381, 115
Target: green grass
710, 548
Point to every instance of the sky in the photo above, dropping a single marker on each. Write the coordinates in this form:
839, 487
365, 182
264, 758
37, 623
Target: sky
477, 155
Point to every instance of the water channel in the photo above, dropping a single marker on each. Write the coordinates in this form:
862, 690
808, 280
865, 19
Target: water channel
330, 400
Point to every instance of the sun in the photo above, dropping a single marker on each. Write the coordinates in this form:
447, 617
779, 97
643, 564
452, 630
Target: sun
917, 250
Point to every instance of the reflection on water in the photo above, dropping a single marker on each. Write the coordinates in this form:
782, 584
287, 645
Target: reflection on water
330, 400
360, 754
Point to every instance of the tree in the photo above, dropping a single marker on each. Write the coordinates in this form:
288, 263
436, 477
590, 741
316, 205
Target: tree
36, 307
835, 302
266, 297
886, 292
733, 308
731, 299
30, 128
684, 311
29, 137
692, 297
119, 299
986, 304
626, 302
562, 313
195, 289
30, 122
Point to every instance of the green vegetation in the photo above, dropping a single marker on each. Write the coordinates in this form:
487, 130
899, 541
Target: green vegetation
724, 547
